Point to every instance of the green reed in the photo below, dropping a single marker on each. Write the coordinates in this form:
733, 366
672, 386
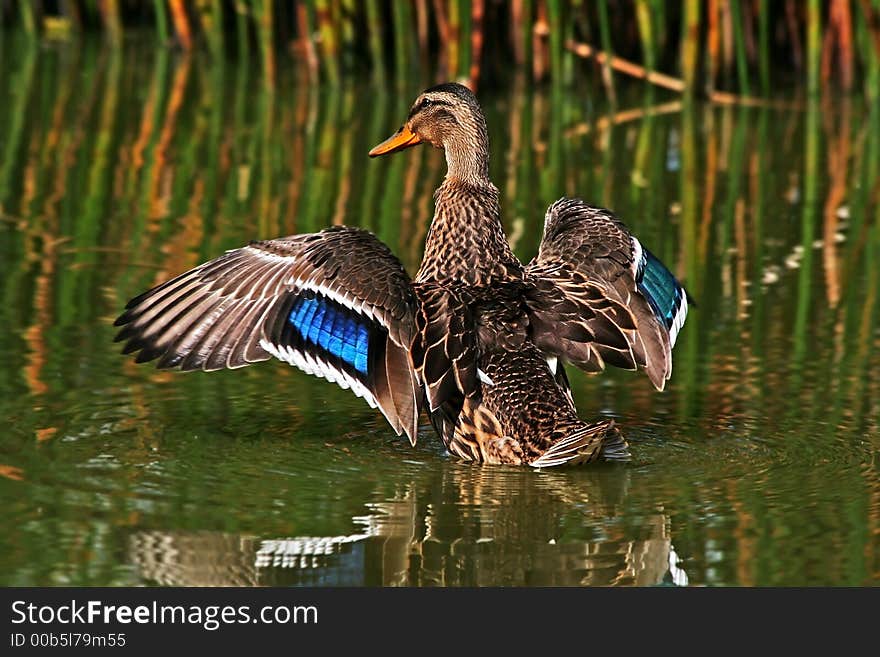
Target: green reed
764, 45
689, 46
646, 33
555, 14
814, 39
868, 38
161, 14
695, 262
266, 32
404, 46
210, 14
808, 232
328, 29
374, 26
739, 27
24, 80
464, 65
605, 35
457, 39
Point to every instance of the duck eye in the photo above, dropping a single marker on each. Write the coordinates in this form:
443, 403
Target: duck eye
425, 104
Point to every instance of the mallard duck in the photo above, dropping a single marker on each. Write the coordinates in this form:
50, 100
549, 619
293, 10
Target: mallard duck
476, 337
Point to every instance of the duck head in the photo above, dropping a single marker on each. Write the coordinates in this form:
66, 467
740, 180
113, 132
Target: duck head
447, 116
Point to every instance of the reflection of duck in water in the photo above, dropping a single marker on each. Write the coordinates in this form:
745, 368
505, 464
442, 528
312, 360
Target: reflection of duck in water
486, 527
553, 531
476, 335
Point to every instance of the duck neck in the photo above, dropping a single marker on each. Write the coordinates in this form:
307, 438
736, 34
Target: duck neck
466, 243
467, 160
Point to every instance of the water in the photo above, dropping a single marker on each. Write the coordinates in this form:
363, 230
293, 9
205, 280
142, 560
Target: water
757, 466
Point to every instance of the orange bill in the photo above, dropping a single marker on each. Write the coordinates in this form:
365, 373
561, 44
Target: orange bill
403, 138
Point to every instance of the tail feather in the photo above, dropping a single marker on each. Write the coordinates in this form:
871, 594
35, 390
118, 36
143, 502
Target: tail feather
598, 441
615, 447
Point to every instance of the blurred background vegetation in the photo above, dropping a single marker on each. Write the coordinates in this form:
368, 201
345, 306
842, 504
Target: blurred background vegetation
696, 46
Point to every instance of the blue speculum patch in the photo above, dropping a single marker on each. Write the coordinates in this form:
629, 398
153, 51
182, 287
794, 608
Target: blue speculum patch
663, 291
323, 323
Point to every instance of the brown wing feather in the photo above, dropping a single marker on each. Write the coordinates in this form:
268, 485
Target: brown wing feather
444, 350
404, 394
584, 304
232, 311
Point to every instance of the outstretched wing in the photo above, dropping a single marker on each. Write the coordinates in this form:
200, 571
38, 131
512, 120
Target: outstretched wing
600, 297
337, 304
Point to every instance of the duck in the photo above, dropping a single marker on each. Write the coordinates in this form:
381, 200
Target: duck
476, 339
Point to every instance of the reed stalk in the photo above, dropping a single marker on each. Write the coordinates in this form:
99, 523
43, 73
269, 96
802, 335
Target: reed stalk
17, 107
658, 11
539, 32
742, 67
808, 226
181, 24
693, 265
346, 14
764, 45
160, 13
454, 39
268, 147
210, 14
464, 35
376, 131
422, 27
517, 32
713, 44
605, 36
27, 14
689, 47
721, 43
476, 41
242, 29
842, 26
814, 45
329, 39
88, 224
554, 14
305, 23
574, 17
627, 67
403, 27
112, 20
526, 28
646, 33
870, 37
374, 24
215, 110
760, 170
265, 20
